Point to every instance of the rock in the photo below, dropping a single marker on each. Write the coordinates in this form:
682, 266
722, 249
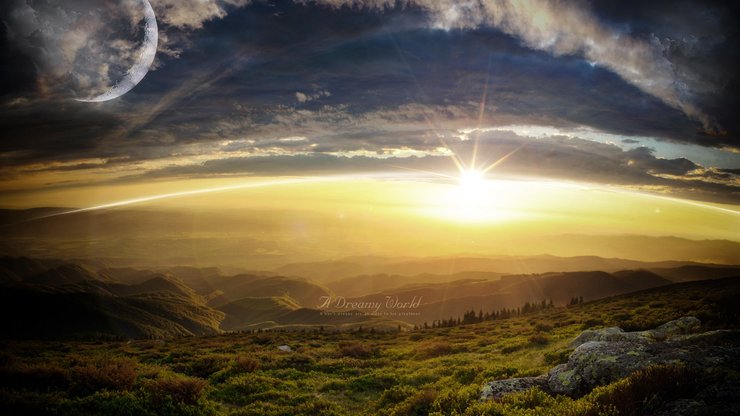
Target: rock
285, 348
497, 388
603, 334
669, 330
672, 329
615, 354
596, 363
606, 355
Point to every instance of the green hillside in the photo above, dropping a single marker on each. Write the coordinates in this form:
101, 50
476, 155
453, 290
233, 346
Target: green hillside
435, 371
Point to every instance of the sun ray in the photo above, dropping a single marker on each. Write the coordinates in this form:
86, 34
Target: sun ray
500, 160
481, 111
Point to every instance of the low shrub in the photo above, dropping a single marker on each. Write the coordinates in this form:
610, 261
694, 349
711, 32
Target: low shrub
28, 403
454, 401
436, 349
543, 327
116, 375
466, 375
356, 350
244, 364
590, 323
557, 357
205, 366
539, 339
511, 348
107, 403
41, 377
374, 381
417, 405
394, 395
178, 389
645, 391
242, 390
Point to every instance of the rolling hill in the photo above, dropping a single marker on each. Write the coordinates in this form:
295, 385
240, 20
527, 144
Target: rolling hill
58, 299
453, 299
52, 299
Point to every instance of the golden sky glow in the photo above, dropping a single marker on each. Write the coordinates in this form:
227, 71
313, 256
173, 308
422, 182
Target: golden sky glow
265, 222
471, 201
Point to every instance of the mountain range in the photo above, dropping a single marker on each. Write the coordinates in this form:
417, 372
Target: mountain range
49, 298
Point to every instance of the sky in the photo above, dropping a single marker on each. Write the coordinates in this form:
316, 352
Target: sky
631, 95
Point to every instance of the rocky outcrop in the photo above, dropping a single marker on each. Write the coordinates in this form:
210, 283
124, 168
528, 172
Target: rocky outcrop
498, 388
606, 355
672, 329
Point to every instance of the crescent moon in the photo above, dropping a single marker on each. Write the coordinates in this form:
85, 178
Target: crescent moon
139, 70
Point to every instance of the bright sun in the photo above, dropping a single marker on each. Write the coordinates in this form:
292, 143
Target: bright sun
471, 200
472, 180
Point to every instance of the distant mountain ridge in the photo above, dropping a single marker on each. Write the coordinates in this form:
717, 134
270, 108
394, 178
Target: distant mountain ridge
327, 271
453, 299
148, 237
59, 299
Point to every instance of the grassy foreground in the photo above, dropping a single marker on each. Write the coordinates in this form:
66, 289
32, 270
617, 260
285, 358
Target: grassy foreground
432, 371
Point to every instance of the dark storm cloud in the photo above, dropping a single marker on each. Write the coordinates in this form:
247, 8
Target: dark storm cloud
699, 38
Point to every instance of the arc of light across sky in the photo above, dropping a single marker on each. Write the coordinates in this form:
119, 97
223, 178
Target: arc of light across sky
379, 175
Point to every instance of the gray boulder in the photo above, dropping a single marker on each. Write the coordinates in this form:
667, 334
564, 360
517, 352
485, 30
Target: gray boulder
606, 355
497, 388
669, 330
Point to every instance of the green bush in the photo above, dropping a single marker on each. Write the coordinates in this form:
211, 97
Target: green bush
204, 367
419, 404
455, 400
394, 395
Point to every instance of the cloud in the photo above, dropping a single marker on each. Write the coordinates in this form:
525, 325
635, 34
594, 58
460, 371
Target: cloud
563, 28
192, 14
304, 98
374, 87
552, 157
662, 66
